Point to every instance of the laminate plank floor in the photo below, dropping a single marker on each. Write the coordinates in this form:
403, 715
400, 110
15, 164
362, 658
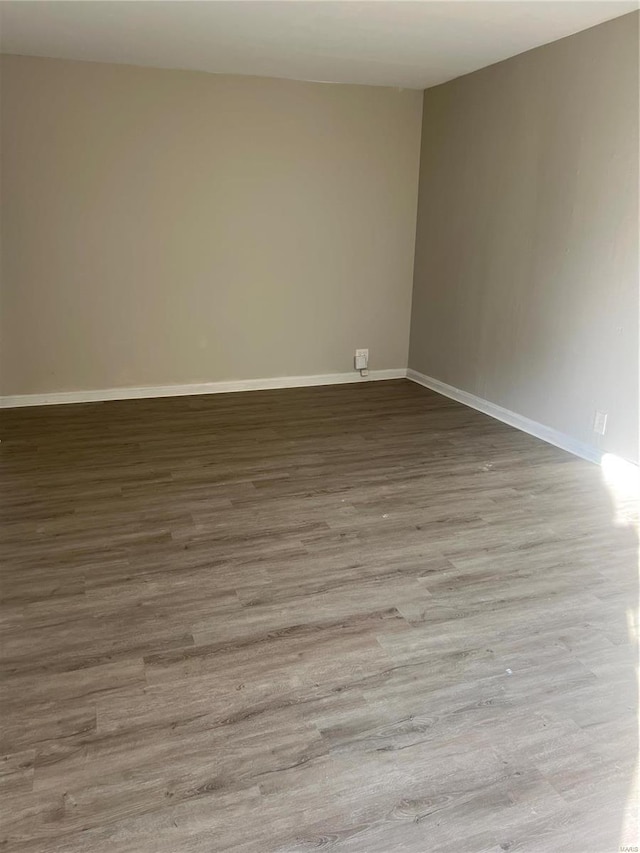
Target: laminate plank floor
354, 618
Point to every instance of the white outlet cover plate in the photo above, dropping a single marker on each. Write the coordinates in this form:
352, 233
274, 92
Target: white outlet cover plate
600, 423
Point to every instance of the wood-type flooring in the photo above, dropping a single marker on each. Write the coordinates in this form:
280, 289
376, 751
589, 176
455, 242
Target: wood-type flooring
356, 618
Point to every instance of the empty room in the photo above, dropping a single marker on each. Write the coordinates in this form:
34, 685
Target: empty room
319, 433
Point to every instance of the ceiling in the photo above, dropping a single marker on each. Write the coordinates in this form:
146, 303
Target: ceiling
375, 42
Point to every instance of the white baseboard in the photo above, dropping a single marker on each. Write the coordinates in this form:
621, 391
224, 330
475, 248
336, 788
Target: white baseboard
545, 433
57, 397
551, 436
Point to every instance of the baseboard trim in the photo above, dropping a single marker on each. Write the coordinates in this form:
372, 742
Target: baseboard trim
513, 419
149, 391
545, 433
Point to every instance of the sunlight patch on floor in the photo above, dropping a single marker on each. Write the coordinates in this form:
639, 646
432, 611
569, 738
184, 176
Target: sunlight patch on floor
622, 479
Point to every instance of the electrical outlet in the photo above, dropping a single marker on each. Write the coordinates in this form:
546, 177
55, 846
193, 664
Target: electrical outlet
361, 359
600, 423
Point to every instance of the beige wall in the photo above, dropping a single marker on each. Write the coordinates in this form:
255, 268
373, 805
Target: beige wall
164, 227
526, 273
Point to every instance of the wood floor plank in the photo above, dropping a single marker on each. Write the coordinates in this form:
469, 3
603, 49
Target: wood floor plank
361, 618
